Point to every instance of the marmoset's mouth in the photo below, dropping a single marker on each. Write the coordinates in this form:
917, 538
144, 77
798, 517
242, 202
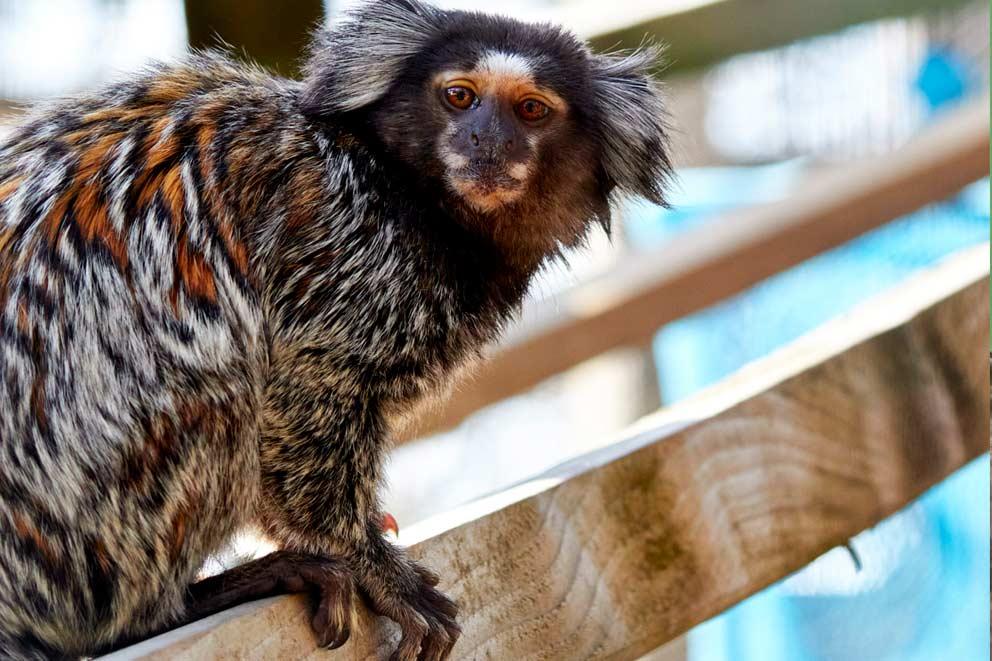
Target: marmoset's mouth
486, 192
487, 186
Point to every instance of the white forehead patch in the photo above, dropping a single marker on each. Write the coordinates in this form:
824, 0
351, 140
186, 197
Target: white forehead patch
509, 65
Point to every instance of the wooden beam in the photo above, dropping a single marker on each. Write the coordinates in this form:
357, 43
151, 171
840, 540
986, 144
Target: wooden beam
703, 32
700, 505
722, 258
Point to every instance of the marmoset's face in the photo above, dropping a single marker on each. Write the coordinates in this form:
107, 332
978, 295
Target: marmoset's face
511, 122
498, 122
496, 118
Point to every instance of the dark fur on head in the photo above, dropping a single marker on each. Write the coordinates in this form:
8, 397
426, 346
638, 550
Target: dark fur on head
374, 71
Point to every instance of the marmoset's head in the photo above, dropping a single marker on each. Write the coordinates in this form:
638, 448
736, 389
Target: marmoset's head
514, 119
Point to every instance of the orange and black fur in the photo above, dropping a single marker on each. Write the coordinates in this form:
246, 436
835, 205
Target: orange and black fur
220, 289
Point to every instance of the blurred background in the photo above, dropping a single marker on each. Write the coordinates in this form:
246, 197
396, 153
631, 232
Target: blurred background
763, 95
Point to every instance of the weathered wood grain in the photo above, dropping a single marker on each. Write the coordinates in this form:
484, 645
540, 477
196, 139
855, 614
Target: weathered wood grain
700, 505
724, 257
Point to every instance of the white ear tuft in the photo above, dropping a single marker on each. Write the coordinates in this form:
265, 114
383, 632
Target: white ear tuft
633, 122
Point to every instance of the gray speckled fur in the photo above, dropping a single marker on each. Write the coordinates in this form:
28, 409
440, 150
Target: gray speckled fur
218, 289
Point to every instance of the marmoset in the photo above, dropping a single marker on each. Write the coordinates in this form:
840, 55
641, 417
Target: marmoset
220, 289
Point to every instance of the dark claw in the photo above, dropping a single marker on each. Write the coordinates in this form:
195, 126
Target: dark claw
437, 644
332, 620
425, 615
332, 623
427, 576
278, 573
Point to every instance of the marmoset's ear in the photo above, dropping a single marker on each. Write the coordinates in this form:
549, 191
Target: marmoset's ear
354, 63
632, 123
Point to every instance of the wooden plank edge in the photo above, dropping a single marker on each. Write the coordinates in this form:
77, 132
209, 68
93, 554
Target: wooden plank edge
699, 506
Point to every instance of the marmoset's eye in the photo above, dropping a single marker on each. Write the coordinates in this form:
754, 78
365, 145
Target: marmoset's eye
460, 97
531, 110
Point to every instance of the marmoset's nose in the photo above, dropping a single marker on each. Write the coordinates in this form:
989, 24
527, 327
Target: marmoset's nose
493, 134
496, 143
508, 144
